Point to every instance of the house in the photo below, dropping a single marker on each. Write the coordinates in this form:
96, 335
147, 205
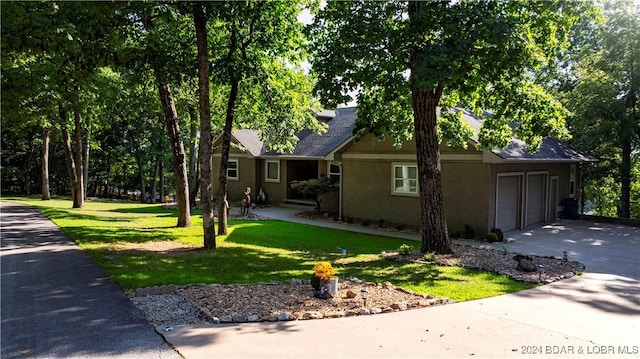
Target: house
508, 189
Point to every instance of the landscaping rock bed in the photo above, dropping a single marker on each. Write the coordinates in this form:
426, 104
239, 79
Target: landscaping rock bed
545, 269
241, 303
237, 303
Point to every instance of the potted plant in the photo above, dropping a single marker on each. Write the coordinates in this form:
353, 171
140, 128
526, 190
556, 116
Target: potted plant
324, 280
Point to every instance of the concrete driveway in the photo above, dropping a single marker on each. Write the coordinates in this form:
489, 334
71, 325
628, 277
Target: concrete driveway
596, 315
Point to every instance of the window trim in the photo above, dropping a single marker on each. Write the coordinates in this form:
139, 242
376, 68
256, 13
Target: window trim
335, 174
395, 165
237, 169
573, 173
266, 171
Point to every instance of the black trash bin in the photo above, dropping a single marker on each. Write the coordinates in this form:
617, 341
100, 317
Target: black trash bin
571, 208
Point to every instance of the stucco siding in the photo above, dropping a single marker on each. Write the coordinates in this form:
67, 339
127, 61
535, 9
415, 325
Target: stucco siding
466, 189
367, 177
367, 194
236, 187
276, 192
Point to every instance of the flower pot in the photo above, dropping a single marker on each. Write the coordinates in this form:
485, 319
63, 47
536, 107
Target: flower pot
332, 285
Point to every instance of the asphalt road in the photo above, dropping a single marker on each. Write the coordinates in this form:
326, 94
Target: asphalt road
56, 302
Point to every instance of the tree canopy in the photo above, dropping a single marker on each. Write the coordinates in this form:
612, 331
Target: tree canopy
408, 58
604, 100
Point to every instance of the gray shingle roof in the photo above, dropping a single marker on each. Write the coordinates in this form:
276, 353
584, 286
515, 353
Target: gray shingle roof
250, 140
551, 149
340, 129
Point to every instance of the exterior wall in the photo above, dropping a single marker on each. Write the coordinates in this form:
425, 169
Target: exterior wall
366, 194
367, 185
467, 195
330, 201
246, 177
276, 192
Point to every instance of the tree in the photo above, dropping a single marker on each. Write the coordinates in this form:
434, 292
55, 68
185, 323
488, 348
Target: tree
164, 47
68, 42
604, 102
25, 105
408, 58
266, 88
206, 142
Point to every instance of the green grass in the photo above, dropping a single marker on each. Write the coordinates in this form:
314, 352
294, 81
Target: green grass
116, 235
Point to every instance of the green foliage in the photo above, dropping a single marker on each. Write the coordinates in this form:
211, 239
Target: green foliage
370, 46
261, 46
405, 249
118, 236
315, 187
429, 257
604, 102
492, 237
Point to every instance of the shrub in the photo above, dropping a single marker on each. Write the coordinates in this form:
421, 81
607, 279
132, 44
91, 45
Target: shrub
430, 257
492, 237
469, 233
405, 249
498, 233
315, 188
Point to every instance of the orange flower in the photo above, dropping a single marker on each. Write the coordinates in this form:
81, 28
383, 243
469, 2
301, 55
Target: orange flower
323, 270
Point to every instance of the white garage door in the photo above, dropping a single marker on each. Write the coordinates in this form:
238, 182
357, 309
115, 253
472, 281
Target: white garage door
508, 203
535, 199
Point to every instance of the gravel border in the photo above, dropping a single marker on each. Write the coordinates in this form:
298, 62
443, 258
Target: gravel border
293, 300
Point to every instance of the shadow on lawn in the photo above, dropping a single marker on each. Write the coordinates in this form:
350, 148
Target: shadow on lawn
86, 235
141, 268
57, 213
158, 209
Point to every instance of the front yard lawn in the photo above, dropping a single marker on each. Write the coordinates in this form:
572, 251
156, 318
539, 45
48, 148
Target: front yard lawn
138, 246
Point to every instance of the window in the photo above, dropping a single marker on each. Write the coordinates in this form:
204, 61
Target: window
405, 179
272, 171
334, 172
232, 170
572, 181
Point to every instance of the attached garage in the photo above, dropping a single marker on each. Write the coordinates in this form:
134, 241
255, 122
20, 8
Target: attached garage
509, 200
521, 200
536, 198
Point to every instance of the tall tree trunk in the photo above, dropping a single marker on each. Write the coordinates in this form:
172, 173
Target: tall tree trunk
224, 158
162, 184
68, 151
434, 224
143, 192
46, 193
154, 181
27, 170
78, 194
193, 154
624, 211
178, 155
425, 101
87, 149
206, 140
